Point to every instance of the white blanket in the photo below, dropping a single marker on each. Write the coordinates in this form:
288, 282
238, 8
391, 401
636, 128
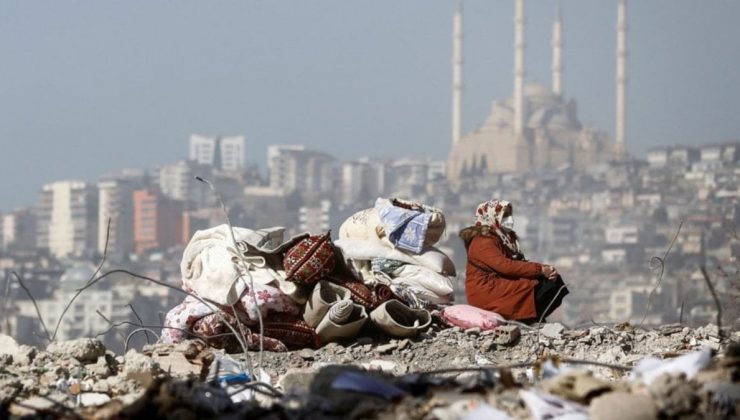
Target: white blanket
427, 284
433, 258
212, 269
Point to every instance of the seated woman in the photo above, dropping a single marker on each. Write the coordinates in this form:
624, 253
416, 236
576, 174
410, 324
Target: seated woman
498, 277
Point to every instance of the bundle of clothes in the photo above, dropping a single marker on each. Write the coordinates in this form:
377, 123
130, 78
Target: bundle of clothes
382, 273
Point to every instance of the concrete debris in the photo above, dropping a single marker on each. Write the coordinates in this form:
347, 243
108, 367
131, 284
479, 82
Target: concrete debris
12, 352
93, 399
553, 331
623, 405
306, 354
386, 348
177, 365
139, 368
86, 350
296, 381
670, 377
506, 335
579, 386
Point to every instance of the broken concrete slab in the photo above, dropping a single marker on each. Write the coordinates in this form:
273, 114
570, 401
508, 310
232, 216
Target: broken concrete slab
139, 368
552, 330
177, 365
86, 350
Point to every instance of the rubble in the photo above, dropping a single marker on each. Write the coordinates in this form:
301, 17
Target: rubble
86, 350
641, 375
139, 368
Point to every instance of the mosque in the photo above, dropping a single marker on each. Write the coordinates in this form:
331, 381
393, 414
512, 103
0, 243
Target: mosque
537, 129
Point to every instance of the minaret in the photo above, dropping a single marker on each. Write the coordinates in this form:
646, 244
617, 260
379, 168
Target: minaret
557, 54
457, 83
519, 68
621, 147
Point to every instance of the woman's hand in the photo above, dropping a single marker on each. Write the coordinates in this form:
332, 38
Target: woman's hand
549, 271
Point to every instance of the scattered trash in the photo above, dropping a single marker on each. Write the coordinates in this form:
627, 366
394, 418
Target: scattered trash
647, 370
353, 381
545, 406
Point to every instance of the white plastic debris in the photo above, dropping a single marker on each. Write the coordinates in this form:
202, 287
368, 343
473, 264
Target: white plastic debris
548, 370
233, 376
689, 364
470, 409
486, 412
547, 406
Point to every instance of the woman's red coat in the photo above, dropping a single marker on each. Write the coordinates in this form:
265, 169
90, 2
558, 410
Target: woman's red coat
496, 282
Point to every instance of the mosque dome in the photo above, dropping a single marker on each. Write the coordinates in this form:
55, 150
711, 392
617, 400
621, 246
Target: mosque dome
538, 91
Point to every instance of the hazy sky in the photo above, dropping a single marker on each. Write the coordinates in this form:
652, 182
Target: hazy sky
91, 87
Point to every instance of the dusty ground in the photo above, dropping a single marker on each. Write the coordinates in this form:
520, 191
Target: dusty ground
81, 378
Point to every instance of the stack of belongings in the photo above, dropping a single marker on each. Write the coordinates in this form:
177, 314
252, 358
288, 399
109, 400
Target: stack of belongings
300, 288
391, 246
222, 275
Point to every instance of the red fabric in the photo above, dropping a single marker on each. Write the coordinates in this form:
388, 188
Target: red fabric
310, 260
383, 293
360, 294
292, 331
217, 334
495, 282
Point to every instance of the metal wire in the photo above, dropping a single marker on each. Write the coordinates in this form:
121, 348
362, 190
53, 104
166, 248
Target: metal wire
134, 332
140, 321
208, 303
90, 282
246, 267
659, 263
35, 305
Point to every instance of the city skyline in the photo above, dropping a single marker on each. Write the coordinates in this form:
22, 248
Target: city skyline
92, 89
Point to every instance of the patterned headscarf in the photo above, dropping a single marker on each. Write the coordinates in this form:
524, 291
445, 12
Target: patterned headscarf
491, 214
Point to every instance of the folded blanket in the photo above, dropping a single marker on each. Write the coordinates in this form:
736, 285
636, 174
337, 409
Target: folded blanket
430, 286
432, 258
385, 265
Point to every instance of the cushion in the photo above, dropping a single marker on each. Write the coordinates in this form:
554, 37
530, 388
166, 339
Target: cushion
310, 259
466, 316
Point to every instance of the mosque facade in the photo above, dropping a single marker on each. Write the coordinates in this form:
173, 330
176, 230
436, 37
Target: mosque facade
537, 128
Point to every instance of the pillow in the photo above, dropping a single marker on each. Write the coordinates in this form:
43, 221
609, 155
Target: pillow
310, 259
466, 316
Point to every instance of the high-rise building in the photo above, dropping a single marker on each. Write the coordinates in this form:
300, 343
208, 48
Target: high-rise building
18, 230
296, 169
157, 220
177, 181
115, 202
224, 153
356, 183
315, 219
68, 218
